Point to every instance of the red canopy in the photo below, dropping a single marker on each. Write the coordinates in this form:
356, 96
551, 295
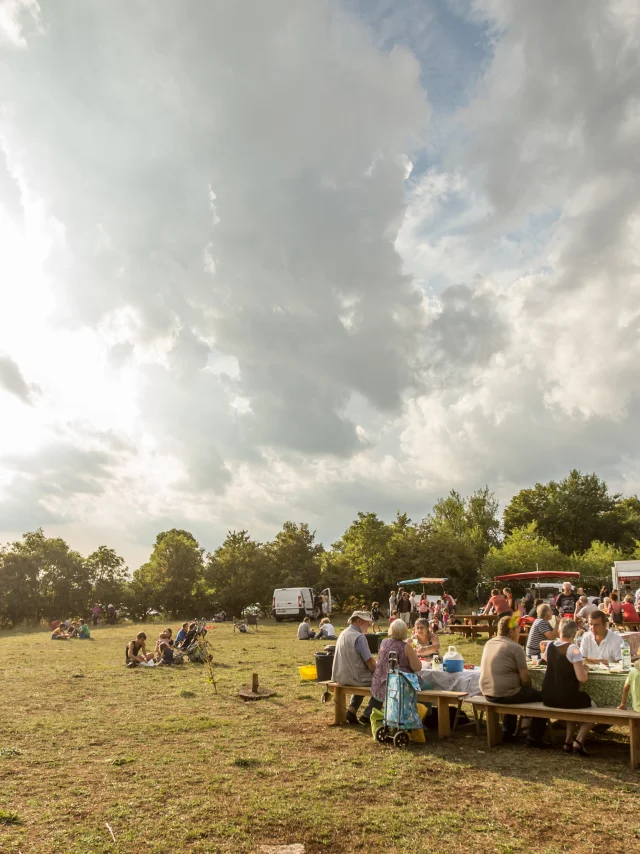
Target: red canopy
536, 576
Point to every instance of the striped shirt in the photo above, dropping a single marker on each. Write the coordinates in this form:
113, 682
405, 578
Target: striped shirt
536, 634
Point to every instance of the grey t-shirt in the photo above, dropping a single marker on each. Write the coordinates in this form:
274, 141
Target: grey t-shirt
304, 631
502, 659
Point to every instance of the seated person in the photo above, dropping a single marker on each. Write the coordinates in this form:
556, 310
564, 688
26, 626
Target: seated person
192, 634
73, 630
565, 672
599, 645
83, 631
504, 678
326, 630
632, 685
584, 608
305, 632
629, 613
164, 643
428, 642
353, 663
182, 634
408, 662
540, 630
137, 650
534, 611
59, 633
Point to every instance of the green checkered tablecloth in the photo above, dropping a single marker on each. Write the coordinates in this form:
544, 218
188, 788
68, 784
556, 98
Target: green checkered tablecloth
605, 689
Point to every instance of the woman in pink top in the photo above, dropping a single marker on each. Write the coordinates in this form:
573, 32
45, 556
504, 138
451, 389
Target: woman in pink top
499, 604
615, 608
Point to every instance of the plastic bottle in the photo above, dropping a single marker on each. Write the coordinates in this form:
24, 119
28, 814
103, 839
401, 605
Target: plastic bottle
626, 656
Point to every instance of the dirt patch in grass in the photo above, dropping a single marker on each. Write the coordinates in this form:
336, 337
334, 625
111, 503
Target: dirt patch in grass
212, 774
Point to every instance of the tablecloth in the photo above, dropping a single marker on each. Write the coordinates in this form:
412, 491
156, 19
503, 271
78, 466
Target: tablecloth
633, 639
467, 680
605, 689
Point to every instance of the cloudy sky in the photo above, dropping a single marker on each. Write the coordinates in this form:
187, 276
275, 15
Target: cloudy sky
290, 260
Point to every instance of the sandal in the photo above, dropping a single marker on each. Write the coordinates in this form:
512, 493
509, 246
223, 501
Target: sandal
580, 748
568, 747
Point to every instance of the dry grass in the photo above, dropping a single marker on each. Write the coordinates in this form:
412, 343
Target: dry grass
173, 767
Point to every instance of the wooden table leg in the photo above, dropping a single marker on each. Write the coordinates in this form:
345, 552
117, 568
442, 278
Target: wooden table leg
340, 709
444, 724
634, 743
494, 731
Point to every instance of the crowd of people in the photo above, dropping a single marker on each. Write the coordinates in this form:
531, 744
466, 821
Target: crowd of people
69, 629
168, 650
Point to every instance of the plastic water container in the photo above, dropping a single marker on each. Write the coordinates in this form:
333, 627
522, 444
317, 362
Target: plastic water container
452, 661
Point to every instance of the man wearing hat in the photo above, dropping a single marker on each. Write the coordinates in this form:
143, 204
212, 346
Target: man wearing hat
353, 663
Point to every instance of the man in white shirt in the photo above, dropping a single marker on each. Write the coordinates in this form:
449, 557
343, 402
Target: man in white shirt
584, 608
599, 645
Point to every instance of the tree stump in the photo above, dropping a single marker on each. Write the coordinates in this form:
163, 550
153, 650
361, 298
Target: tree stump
254, 691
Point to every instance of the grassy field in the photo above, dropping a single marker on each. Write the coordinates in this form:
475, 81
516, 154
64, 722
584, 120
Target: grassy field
173, 766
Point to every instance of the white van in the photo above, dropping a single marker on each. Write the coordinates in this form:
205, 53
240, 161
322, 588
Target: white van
296, 603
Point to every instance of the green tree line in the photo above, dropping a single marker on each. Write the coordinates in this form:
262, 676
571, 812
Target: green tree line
576, 523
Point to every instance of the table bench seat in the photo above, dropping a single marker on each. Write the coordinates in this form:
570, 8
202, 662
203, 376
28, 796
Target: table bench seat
442, 699
598, 715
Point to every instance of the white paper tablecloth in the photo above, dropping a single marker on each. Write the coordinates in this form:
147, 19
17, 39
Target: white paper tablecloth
633, 639
467, 680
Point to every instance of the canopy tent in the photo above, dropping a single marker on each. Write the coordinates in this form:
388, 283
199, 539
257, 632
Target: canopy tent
423, 581
537, 576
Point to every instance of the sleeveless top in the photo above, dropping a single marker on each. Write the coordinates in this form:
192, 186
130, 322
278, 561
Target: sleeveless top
561, 687
348, 666
379, 681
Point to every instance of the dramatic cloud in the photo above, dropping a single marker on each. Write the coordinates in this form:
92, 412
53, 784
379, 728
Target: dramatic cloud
305, 259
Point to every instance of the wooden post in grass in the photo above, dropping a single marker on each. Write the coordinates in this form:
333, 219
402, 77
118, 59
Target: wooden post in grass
254, 683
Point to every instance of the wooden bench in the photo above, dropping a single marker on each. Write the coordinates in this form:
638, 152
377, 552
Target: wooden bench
472, 630
603, 715
442, 699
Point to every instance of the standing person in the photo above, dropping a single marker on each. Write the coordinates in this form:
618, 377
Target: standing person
566, 601
599, 645
605, 591
423, 607
95, 613
325, 604
392, 602
566, 671
445, 617
508, 595
376, 615
111, 614
504, 678
437, 614
404, 608
353, 663
450, 603
498, 604
528, 600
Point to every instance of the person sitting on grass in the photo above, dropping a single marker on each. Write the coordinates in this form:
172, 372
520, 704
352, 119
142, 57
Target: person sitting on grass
83, 631
137, 651
428, 642
566, 671
59, 633
182, 634
305, 632
326, 630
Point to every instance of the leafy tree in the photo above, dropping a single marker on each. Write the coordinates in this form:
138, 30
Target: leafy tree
141, 593
294, 556
365, 548
595, 564
570, 514
524, 550
238, 574
474, 519
109, 575
175, 570
19, 585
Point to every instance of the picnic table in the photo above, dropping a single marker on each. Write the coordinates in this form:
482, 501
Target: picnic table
604, 688
474, 619
467, 681
472, 630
